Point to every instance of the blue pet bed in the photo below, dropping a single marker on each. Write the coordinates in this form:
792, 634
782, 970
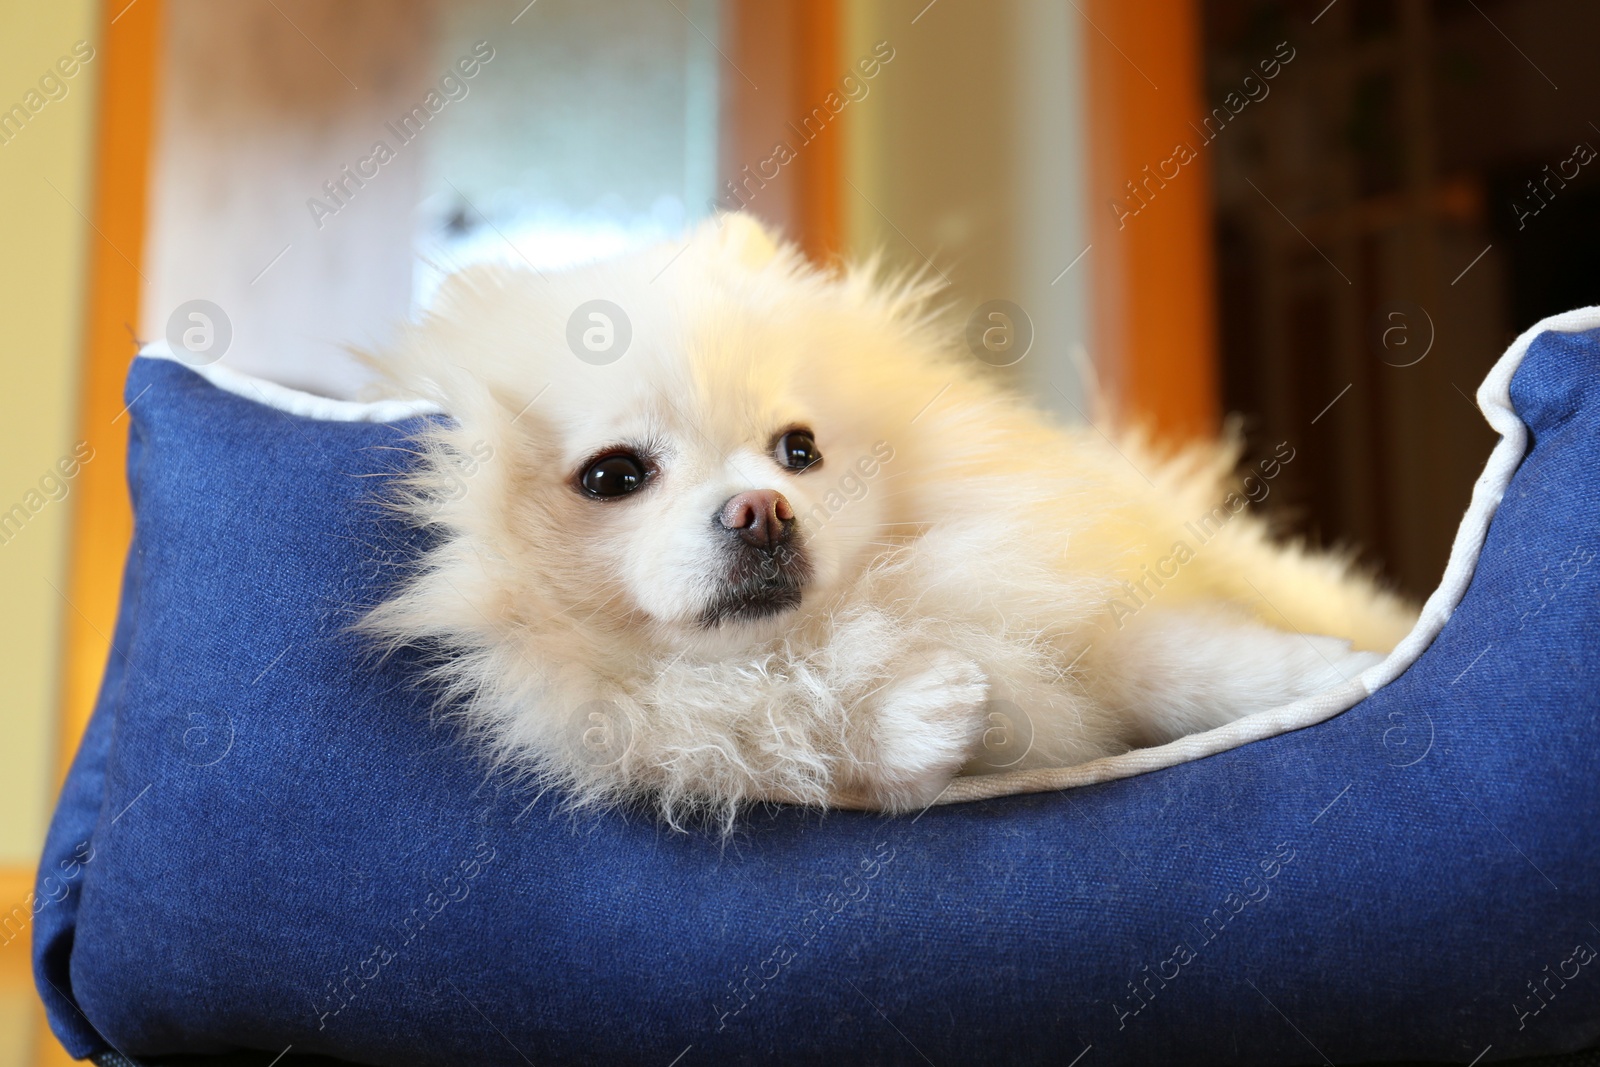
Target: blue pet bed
266, 841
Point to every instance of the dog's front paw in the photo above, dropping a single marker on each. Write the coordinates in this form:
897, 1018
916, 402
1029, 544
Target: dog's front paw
925, 727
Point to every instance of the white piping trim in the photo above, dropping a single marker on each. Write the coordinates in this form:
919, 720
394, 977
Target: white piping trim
1494, 399
294, 401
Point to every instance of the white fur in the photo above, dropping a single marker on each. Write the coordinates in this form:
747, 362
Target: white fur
974, 570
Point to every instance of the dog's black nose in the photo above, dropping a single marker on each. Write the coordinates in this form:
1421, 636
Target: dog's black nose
762, 517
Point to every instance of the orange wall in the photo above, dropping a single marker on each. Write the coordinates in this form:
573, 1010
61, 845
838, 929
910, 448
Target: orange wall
818, 65
103, 524
1154, 325
788, 59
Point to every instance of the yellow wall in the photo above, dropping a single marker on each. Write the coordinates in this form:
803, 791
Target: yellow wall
51, 64
44, 184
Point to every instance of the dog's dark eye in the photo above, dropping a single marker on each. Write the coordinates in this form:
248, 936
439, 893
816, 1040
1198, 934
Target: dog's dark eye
797, 450
614, 475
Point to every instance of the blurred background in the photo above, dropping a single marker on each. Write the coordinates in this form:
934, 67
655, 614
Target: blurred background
1316, 223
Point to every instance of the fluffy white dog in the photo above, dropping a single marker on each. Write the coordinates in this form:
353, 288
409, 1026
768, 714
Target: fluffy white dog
767, 534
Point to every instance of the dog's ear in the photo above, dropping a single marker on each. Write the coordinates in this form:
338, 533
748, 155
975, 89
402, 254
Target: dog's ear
741, 237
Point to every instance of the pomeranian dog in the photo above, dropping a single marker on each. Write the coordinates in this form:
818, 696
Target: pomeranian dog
748, 530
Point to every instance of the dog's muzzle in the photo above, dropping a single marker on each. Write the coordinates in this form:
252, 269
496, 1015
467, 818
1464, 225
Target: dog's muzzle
768, 568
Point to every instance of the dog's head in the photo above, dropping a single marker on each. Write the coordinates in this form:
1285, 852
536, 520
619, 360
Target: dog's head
701, 439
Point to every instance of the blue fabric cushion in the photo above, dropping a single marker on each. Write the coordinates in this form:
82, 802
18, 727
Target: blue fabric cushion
284, 849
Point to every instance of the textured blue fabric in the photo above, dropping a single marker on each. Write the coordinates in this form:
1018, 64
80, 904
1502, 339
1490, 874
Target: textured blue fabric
285, 849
